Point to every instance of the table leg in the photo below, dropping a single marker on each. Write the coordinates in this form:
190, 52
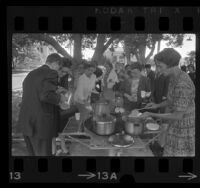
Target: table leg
54, 146
112, 152
119, 152
63, 145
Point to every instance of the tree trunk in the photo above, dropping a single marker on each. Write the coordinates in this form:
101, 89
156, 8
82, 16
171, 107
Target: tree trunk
150, 53
128, 57
137, 56
158, 47
99, 50
77, 54
49, 40
142, 50
127, 54
101, 47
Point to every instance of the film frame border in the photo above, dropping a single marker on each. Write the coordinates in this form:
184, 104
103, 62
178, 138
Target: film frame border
169, 22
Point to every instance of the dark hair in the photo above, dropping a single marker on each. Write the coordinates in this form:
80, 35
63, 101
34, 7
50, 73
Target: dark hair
88, 65
191, 66
94, 62
183, 68
84, 61
127, 66
66, 62
136, 65
98, 72
109, 64
54, 57
168, 56
147, 66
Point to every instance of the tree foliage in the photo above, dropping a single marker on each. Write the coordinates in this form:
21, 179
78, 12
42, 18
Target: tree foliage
191, 58
23, 50
137, 44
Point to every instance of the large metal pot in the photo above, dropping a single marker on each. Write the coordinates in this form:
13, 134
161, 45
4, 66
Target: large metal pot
101, 107
133, 126
104, 127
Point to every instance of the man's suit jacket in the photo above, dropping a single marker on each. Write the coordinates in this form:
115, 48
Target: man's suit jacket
161, 88
39, 109
151, 76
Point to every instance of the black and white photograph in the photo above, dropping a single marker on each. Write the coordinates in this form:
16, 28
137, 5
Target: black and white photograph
114, 94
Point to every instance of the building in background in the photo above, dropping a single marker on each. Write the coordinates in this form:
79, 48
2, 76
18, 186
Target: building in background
118, 55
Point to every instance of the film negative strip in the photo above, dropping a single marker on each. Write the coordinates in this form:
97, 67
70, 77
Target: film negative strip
44, 24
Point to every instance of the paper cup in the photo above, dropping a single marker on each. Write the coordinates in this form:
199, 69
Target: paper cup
77, 116
143, 94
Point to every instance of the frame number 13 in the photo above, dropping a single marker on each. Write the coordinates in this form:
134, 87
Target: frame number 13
15, 175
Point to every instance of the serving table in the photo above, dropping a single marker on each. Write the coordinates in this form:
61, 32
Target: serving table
88, 143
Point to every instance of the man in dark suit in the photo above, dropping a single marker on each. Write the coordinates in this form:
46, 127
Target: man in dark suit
38, 115
151, 76
160, 90
192, 73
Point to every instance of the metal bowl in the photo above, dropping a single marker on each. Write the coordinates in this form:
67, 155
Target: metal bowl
104, 127
134, 126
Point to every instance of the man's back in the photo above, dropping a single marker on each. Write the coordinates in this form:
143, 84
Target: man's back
38, 101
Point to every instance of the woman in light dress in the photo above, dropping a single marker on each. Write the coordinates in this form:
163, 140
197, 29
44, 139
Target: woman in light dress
180, 137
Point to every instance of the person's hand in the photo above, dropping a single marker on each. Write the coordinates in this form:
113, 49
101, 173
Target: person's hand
88, 107
151, 105
63, 102
70, 72
62, 98
145, 115
128, 96
61, 89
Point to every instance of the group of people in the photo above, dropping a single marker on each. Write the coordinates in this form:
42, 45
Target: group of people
44, 112
169, 92
137, 84
190, 70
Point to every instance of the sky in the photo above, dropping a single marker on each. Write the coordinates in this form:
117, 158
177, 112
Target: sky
187, 47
